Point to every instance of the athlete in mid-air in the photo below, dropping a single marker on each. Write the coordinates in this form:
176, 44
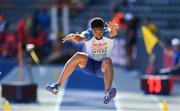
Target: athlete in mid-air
98, 41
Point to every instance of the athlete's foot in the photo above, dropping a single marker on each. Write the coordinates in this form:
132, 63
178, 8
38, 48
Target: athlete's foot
109, 95
52, 88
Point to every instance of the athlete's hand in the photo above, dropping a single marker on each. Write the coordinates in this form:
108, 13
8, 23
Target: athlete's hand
112, 25
69, 37
113, 28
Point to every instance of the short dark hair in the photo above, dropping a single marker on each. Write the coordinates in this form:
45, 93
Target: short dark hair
97, 22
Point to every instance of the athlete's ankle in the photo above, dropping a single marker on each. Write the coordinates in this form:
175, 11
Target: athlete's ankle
59, 85
107, 90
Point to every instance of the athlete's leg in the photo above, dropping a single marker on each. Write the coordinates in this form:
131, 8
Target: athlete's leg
77, 59
80, 59
107, 69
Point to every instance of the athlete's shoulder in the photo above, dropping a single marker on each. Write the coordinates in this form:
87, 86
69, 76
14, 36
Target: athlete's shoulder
106, 32
88, 33
107, 29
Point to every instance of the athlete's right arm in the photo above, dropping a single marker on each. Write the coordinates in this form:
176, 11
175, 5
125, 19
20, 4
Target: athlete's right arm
77, 38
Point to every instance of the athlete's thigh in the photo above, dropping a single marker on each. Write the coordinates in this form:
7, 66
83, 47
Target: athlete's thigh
106, 63
83, 59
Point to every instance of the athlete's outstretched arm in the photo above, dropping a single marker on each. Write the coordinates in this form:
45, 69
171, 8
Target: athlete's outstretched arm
114, 28
77, 38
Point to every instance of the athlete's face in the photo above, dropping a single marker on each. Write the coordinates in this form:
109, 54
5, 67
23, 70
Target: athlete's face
98, 32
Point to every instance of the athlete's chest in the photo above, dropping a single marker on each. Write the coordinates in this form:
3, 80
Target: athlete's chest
103, 43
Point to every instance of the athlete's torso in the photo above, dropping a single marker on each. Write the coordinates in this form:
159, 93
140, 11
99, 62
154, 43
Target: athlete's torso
98, 49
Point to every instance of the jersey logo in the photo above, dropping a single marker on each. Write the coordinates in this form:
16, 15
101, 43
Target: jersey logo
98, 46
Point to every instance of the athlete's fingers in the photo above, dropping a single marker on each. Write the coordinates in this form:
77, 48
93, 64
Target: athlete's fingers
66, 39
69, 37
113, 25
110, 24
63, 40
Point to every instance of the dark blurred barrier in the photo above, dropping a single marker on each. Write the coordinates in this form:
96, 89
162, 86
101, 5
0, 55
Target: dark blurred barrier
157, 84
20, 92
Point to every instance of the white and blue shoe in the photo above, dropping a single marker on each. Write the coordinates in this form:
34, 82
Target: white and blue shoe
109, 95
54, 88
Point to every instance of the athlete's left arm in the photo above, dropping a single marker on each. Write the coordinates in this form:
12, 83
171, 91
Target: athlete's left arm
77, 38
113, 28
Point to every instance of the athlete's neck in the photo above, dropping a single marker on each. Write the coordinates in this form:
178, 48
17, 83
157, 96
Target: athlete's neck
99, 38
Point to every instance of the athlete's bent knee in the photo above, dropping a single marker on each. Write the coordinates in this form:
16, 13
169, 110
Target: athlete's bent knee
107, 61
81, 58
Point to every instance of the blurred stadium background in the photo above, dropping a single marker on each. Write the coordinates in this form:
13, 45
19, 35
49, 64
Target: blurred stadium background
44, 23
